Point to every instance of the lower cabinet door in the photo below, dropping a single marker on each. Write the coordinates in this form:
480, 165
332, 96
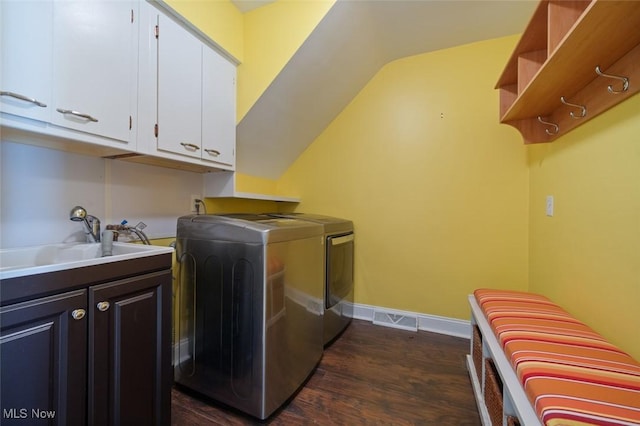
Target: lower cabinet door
130, 351
43, 353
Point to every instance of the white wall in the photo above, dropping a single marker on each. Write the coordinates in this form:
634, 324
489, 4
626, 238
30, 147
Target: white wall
40, 186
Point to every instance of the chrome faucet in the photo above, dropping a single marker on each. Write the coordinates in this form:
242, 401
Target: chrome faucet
123, 227
91, 223
138, 231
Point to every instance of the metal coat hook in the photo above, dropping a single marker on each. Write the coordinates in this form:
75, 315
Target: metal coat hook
583, 109
556, 128
625, 81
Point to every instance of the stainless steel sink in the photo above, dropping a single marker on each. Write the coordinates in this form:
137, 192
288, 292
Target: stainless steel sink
18, 262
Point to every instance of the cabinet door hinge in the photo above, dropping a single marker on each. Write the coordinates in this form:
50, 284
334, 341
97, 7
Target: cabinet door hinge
157, 31
132, 16
155, 130
130, 122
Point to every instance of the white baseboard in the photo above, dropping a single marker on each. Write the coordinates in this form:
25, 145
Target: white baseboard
425, 322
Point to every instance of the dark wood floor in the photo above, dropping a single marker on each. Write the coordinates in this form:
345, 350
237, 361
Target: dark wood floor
370, 375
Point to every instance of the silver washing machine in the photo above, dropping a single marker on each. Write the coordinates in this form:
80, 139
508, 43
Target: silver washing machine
249, 308
337, 264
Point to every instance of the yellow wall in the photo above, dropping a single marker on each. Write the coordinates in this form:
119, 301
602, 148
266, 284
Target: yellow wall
437, 189
272, 34
260, 185
587, 256
239, 205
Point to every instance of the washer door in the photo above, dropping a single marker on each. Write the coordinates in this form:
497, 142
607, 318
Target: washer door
339, 268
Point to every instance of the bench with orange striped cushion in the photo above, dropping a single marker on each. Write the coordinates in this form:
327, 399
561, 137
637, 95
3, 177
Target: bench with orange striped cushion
570, 373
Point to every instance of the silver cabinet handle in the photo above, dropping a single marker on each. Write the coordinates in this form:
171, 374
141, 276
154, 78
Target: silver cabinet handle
23, 98
78, 314
190, 146
213, 152
77, 114
103, 306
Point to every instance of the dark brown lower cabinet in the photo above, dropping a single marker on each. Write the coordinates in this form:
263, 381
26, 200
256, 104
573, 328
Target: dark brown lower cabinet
98, 356
43, 361
129, 362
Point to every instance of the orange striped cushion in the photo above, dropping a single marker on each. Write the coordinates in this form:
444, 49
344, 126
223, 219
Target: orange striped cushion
547, 330
609, 359
487, 294
543, 326
559, 401
496, 309
570, 373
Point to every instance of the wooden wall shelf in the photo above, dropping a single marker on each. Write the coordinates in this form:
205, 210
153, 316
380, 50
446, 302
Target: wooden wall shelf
557, 56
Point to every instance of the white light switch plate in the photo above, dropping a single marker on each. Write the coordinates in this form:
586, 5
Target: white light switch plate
549, 205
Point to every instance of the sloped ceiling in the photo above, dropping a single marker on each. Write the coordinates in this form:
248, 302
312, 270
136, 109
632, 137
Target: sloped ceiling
248, 5
352, 42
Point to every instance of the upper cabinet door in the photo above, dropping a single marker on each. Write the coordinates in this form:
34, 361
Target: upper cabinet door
95, 67
26, 30
218, 108
179, 89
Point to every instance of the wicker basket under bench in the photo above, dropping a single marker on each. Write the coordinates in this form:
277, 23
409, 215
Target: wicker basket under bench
500, 398
571, 372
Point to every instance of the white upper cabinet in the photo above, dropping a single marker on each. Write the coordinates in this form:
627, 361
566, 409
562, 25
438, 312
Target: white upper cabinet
26, 28
95, 67
179, 89
122, 78
196, 99
218, 108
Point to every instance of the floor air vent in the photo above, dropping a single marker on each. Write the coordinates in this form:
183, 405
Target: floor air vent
395, 320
